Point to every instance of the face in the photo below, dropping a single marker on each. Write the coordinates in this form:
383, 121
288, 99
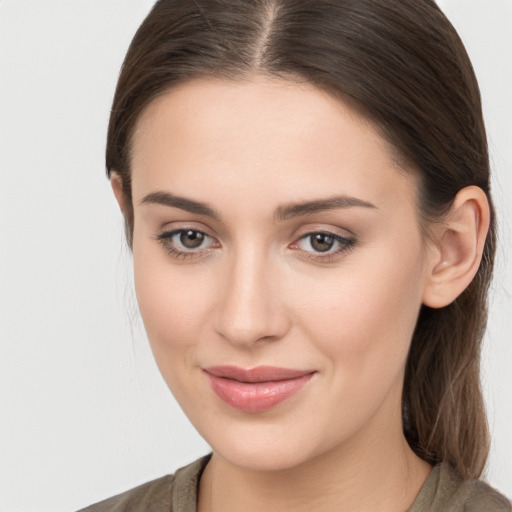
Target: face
279, 267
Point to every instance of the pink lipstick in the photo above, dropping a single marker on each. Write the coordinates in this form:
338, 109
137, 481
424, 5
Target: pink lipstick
257, 389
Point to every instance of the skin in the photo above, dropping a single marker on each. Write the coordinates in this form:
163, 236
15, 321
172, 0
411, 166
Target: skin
256, 292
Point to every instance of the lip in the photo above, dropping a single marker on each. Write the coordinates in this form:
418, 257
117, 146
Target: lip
256, 389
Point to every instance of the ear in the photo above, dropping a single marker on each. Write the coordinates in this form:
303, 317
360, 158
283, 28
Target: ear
116, 183
458, 243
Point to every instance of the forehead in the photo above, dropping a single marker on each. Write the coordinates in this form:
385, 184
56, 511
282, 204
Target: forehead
262, 135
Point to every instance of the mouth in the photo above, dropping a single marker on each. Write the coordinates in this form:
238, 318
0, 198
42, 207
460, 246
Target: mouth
257, 389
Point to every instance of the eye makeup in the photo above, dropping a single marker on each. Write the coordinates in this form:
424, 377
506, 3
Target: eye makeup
187, 243
191, 243
323, 246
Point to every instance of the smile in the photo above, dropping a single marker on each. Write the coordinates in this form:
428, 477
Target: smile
257, 389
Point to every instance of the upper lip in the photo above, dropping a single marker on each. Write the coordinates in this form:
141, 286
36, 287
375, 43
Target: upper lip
258, 374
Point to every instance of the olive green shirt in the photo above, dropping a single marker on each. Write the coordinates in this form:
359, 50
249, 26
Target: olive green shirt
443, 491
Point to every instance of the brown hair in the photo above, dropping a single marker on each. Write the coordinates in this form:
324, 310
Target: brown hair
402, 63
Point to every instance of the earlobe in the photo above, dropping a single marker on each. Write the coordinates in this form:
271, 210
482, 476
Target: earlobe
116, 183
459, 242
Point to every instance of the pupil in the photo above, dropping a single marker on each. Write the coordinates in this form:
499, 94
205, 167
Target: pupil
191, 239
321, 242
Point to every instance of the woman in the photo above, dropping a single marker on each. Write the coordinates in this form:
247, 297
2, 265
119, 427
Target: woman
306, 192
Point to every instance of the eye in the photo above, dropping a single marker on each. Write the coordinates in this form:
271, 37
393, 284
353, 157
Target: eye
323, 245
319, 242
190, 239
186, 243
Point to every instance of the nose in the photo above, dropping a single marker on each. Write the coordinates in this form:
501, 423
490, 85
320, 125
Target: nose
250, 311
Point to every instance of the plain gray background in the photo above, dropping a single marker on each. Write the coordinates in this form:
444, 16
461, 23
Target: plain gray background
84, 413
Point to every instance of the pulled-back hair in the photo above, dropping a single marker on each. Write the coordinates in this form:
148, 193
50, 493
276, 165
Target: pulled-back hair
402, 65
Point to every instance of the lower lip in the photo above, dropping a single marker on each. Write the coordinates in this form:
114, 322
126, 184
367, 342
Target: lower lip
256, 396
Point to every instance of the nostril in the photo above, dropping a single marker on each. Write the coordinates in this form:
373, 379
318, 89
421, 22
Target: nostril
247, 328
249, 310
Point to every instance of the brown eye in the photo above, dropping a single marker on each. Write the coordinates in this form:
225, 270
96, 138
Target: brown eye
323, 246
186, 243
322, 242
191, 239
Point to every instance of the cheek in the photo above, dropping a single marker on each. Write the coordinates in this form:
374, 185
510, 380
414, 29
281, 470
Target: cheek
171, 303
365, 315
173, 310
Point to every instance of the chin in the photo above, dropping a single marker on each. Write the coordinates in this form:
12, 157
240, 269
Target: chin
264, 446
263, 459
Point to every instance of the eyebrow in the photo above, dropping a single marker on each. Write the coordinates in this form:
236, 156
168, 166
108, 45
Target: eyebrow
319, 205
282, 213
189, 205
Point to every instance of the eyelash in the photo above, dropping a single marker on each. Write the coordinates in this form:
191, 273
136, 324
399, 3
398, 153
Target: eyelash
165, 240
344, 245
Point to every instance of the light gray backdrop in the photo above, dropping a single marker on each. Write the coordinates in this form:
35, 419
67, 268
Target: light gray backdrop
84, 413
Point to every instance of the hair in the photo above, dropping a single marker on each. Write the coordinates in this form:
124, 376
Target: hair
402, 64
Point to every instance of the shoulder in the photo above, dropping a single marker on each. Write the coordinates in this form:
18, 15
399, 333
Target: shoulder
445, 491
154, 495
157, 495
481, 497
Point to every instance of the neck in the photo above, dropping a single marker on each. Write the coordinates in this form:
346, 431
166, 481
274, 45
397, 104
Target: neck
363, 475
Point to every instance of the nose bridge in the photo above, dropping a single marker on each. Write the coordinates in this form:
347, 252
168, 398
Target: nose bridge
248, 311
